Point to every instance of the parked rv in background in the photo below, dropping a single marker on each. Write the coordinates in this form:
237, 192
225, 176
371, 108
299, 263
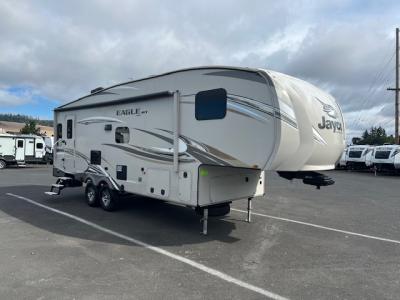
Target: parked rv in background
359, 156
342, 163
21, 149
386, 158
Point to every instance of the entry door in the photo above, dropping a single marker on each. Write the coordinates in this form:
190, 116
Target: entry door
69, 147
20, 149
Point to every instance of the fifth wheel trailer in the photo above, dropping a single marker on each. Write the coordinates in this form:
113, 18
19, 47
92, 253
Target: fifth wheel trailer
201, 137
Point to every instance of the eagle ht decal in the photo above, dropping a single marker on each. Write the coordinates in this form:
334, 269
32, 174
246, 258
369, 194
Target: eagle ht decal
131, 112
325, 123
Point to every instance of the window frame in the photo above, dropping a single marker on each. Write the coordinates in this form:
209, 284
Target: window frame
117, 131
70, 124
59, 131
203, 98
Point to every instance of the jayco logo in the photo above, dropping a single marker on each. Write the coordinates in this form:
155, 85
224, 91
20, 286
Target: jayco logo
326, 123
329, 124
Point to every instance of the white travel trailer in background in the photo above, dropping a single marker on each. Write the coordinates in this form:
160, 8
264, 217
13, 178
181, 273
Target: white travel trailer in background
359, 156
20, 149
342, 163
200, 137
386, 157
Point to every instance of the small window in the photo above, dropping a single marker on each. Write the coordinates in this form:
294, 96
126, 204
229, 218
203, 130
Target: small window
69, 129
95, 157
39, 146
59, 131
211, 104
122, 135
20, 144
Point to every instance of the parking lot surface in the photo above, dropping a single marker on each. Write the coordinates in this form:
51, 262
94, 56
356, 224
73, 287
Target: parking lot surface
342, 241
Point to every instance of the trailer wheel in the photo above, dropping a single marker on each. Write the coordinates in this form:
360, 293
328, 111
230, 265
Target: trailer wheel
3, 164
92, 194
108, 198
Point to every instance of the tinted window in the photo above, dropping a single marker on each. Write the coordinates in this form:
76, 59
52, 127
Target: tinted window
211, 104
39, 146
122, 135
69, 129
59, 131
20, 144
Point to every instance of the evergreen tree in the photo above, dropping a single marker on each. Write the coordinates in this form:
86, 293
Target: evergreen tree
374, 136
30, 128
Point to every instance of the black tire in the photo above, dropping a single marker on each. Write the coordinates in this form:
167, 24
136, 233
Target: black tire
218, 210
3, 164
92, 194
108, 198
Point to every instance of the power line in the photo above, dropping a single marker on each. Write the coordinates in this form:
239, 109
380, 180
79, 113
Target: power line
373, 88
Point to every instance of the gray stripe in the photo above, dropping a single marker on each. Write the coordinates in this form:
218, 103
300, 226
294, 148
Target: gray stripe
251, 76
139, 153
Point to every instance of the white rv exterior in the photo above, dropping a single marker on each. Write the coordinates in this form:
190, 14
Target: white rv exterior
359, 156
49, 145
19, 149
386, 157
199, 137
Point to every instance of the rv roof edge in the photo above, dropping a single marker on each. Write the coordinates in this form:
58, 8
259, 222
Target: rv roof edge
116, 102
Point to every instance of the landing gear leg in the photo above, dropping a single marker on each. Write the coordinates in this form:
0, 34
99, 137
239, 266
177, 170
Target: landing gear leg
248, 210
205, 221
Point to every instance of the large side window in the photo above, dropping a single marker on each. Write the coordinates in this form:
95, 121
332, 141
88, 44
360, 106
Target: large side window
122, 135
69, 129
59, 131
211, 104
39, 146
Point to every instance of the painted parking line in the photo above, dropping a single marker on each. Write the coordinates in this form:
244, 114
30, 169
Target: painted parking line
321, 227
158, 250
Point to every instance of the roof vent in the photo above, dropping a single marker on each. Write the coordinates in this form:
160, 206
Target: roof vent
96, 90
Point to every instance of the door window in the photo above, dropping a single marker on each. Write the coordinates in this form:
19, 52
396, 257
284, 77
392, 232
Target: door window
20, 144
59, 131
69, 129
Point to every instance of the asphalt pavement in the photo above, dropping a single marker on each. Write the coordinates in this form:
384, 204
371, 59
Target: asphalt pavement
342, 241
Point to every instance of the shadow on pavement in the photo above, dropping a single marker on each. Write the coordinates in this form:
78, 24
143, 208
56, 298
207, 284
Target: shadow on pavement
155, 222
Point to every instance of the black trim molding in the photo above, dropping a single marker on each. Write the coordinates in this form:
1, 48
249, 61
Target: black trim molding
117, 101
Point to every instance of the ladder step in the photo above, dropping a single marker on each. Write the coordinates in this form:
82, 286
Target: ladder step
65, 178
51, 193
58, 185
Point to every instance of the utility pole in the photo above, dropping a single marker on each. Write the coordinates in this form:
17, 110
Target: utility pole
397, 90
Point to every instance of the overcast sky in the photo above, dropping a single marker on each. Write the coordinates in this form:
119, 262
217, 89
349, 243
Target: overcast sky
52, 51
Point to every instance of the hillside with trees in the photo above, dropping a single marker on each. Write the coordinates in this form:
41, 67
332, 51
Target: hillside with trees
24, 119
